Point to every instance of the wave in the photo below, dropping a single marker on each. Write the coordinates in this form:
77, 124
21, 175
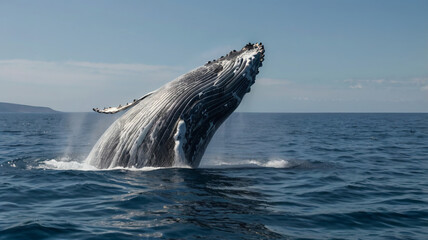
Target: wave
272, 163
66, 163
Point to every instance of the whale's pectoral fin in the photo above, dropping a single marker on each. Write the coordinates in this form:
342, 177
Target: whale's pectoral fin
111, 110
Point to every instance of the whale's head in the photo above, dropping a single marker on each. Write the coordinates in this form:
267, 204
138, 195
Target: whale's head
236, 71
231, 78
219, 87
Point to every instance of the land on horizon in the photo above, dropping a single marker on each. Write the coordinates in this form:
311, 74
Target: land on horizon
20, 108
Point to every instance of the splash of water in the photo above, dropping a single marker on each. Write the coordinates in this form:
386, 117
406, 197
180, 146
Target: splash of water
75, 123
272, 163
67, 163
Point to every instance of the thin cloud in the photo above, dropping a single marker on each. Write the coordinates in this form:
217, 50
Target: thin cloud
378, 81
356, 86
121, 67
301, 98
272, 81
420, 81
390, 82
78, 73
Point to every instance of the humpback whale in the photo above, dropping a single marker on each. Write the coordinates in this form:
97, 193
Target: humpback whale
173, 125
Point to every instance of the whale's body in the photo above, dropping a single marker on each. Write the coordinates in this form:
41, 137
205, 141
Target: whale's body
173, 125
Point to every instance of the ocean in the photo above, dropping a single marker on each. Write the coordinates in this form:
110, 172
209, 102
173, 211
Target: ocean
263, 176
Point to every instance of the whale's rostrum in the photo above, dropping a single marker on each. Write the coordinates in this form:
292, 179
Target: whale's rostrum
173, 125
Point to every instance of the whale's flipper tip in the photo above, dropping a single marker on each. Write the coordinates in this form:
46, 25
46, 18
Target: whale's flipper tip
111, 110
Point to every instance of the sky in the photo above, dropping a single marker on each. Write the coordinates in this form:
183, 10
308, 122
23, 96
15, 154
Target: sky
321, 56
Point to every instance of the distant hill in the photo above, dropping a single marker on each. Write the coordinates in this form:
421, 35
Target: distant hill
19, 108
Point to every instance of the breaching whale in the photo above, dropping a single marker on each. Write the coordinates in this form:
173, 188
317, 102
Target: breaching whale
173, 125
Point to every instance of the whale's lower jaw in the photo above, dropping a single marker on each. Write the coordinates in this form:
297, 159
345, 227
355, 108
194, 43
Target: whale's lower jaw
173, 125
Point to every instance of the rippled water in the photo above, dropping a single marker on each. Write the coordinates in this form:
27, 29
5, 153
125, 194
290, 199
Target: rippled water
264, 176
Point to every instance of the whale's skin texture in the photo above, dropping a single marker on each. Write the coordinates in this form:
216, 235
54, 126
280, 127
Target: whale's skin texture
173, 125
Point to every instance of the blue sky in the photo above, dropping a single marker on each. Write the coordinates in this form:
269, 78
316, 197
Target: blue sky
321, 56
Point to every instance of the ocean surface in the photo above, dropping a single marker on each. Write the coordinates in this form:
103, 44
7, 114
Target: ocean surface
264, 176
